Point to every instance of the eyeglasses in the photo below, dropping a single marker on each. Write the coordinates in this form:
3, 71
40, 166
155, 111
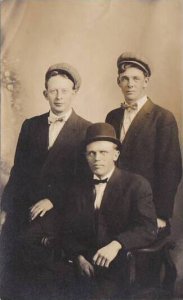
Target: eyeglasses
56, 92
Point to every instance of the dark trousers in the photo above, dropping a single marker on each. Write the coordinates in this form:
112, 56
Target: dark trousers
33, 250
107, 283
33, 270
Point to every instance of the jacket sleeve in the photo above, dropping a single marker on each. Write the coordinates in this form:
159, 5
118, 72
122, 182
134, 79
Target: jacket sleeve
168, 167
17, 183
78, 235
115, 118
73, 245
142, 228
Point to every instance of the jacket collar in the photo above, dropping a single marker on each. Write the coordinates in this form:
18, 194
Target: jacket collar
139, 121
64, 138
110, 188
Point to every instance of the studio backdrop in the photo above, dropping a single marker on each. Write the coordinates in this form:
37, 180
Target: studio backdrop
90, 35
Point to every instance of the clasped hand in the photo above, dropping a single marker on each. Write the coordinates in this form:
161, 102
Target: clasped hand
40, 208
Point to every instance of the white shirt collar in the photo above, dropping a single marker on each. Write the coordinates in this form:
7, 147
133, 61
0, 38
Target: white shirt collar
141, 101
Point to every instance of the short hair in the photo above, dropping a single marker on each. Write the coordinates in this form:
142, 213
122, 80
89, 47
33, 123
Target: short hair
130, 65
59, 73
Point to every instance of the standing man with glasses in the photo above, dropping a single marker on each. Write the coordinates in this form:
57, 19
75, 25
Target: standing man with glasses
46, 162
149, 137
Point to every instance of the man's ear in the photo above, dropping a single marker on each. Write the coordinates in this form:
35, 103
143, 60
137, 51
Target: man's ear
74, 91
146, 81
45, 93
118, 80
116, 155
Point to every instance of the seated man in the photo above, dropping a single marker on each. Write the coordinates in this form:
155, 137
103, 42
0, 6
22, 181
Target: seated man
108, 214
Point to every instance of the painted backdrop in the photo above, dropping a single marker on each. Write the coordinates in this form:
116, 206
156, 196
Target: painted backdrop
90, 34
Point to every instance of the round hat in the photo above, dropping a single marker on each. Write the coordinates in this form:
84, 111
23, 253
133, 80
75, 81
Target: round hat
101, 132
138, 62
64, 68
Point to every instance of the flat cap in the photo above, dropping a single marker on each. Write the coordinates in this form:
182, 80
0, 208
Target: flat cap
68, 70
138, 62
101, 132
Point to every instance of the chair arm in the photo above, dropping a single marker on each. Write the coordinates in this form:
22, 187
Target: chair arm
158, 245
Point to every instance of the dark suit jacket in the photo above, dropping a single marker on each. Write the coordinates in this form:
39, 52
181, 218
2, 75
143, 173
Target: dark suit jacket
151, 149
126, 214
41, 173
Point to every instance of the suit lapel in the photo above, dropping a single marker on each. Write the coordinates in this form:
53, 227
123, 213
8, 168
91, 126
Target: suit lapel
42, 134
138, 122
118, 121
111, 190
64, 139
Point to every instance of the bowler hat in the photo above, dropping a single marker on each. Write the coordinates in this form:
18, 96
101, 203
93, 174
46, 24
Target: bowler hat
101, 132
138, 62
68, 70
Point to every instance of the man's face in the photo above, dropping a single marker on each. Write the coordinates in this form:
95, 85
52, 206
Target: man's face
101, 156
59, 94
133, 84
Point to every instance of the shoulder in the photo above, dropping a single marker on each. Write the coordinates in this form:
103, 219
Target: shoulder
132, 181
163, 116
114, 112
34, 122
82, 123
36, 119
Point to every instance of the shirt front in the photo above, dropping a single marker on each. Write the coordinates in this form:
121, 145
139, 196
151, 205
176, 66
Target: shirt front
129, 115
56, 127
100, 188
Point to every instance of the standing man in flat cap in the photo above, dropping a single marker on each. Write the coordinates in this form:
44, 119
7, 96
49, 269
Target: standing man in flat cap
149, 137
109, 213
46, 161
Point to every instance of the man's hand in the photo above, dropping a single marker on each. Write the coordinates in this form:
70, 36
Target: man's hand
161, 223
2, 219
107, 254
40, 208
85, 267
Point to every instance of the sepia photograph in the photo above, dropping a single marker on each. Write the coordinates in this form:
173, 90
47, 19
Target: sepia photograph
91, 126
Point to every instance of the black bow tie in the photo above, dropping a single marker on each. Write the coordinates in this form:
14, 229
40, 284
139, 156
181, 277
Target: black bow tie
97, 181
133, 106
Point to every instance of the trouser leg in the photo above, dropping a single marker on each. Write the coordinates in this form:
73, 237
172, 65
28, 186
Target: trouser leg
107, 283
112, 281
34, 252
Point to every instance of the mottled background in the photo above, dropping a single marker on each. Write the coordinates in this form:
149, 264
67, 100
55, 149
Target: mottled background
90, 34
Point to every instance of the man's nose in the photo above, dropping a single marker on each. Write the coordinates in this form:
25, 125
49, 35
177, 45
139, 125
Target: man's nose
59, 94
98, 156
130, 82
